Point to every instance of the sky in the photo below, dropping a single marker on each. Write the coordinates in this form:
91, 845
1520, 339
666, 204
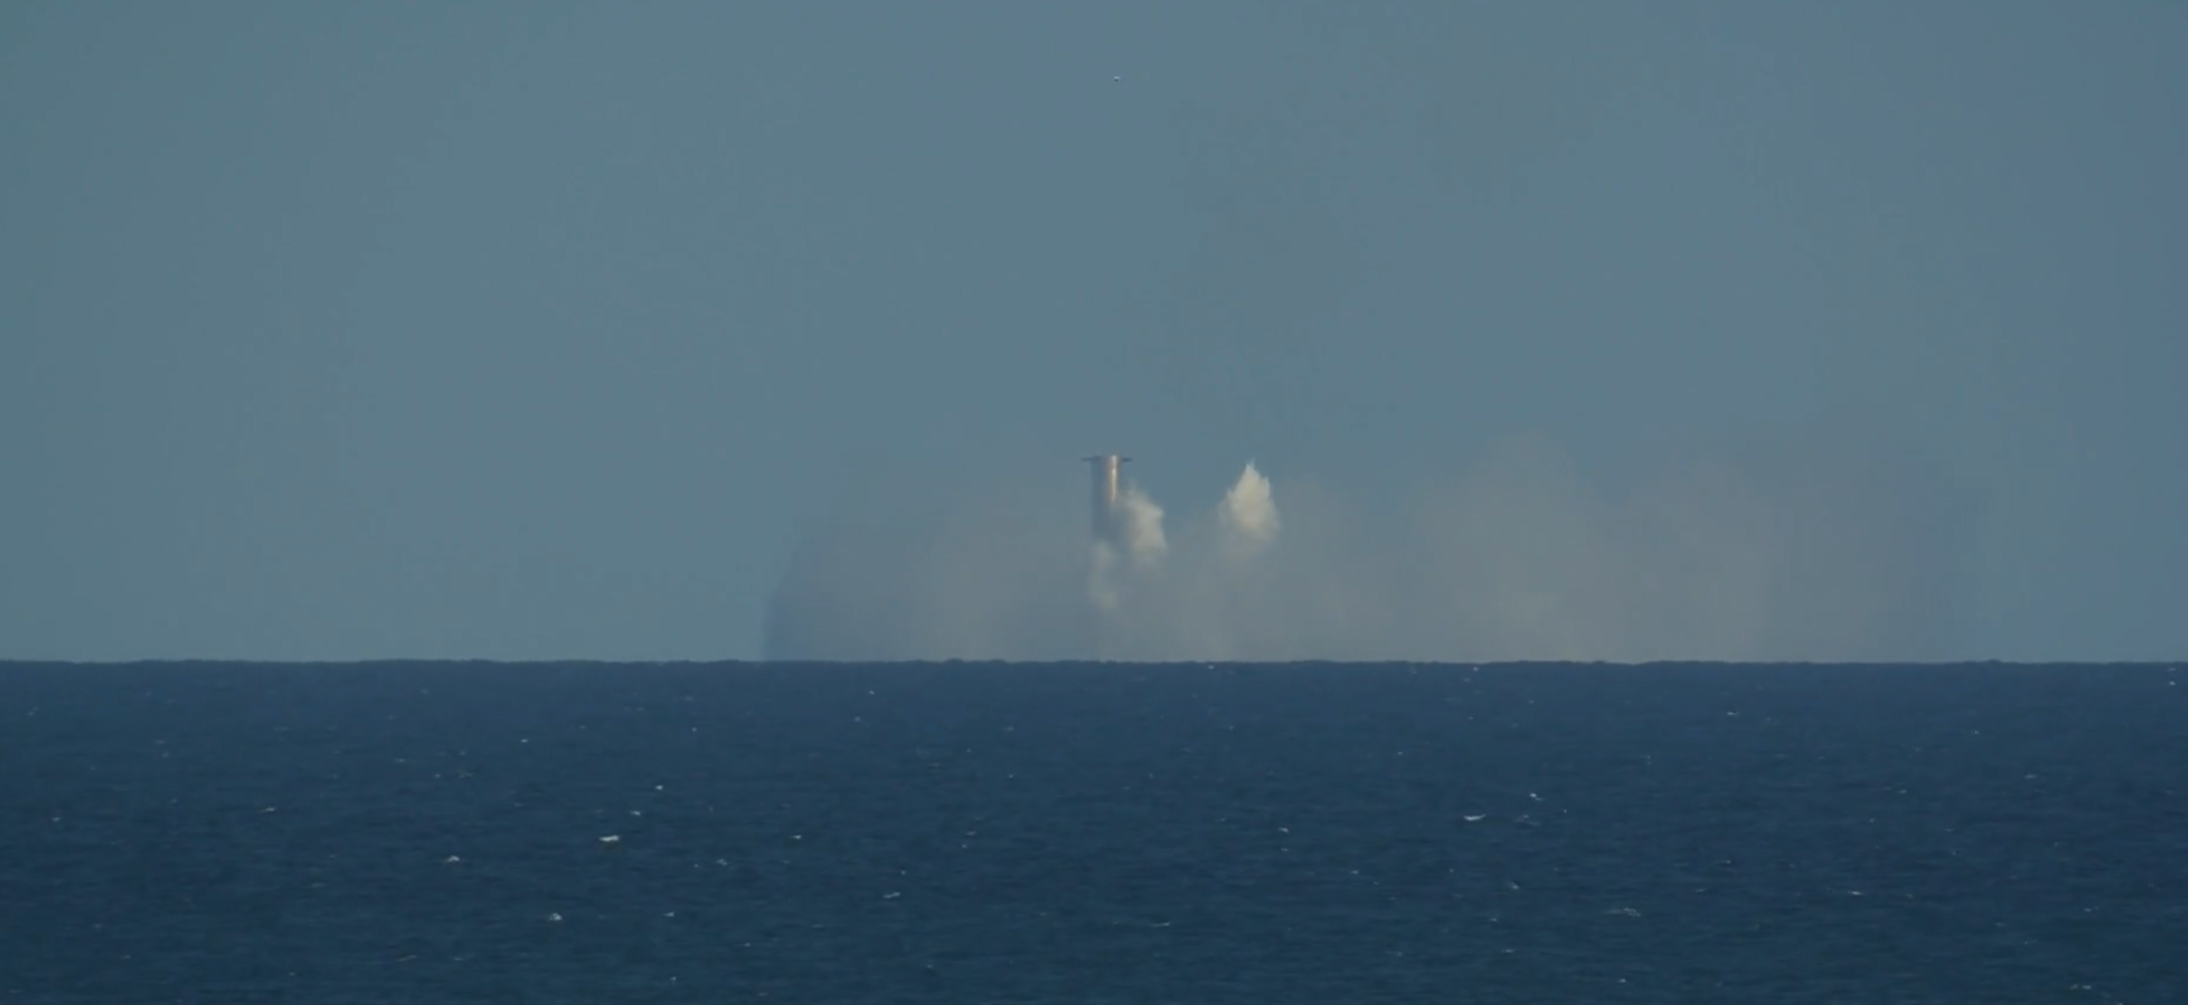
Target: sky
543, 329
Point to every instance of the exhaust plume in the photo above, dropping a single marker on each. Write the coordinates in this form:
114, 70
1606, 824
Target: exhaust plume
1248, 513
1139, 524
1798, 553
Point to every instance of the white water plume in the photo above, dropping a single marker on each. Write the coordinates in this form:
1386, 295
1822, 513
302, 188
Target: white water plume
1794, 553
1139, 531
1139, 523
1248, 514
1101, 577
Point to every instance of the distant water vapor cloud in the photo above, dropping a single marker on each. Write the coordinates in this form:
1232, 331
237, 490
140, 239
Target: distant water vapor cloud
1248, 513
1791, 554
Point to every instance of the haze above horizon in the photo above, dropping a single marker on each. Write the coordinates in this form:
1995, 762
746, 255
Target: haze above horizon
568, 330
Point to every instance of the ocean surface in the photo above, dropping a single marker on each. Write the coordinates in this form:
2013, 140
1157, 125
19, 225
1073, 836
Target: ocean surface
966, 833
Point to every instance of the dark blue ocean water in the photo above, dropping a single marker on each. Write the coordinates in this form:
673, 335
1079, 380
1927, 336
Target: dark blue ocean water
989, 833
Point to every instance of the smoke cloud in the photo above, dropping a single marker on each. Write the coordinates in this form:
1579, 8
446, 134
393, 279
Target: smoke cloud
1248, 514
1140, 523
1789, 554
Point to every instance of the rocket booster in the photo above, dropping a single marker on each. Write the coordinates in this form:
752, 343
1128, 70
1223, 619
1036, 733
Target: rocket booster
1105, 469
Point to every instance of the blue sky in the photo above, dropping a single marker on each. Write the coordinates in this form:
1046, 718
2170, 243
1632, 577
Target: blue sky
545, 329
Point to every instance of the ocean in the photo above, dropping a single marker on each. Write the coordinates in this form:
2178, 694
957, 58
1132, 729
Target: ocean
967, 833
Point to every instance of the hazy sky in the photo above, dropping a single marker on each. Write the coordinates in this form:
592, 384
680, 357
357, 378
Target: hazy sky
545, 329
